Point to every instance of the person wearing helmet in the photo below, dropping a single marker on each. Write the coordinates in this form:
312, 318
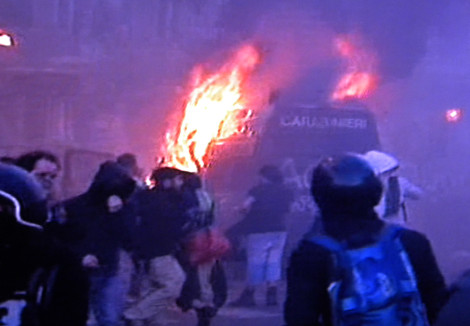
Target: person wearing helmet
31, 197
346, 190
22, 211
31, 259
396, 189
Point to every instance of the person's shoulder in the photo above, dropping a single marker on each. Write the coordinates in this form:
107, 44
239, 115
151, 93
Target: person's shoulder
413, 240
411, 234
309, 249
310, 260
75, 202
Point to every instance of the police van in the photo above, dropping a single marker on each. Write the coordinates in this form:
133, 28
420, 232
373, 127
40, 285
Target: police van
294, 138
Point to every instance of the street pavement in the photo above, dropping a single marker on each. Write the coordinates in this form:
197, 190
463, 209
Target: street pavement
260, 315
228, 316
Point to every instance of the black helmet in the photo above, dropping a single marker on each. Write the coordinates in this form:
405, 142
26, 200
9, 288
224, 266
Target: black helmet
23, 195
345, 184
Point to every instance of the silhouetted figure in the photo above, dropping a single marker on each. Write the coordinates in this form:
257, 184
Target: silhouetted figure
163, 217
32, 261
265, 208
97, 227
357, 269
205, 287
397, 189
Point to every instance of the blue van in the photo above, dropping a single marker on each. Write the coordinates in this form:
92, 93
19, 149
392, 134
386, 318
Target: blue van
295, 137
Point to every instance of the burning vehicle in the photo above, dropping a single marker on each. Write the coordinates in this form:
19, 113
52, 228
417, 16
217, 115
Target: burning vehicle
229, 129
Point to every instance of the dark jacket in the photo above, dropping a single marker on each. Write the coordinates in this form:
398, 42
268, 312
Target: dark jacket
307, 301
90, 228
267, 213
162, 215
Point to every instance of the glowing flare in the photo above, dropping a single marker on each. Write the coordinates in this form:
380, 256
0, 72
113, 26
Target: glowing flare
354, 85
454, 115
6, 40
360, 78
215, 110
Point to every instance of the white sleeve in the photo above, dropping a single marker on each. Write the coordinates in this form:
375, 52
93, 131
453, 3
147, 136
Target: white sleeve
409, 190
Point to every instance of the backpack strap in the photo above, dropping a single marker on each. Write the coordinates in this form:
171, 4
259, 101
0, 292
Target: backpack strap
339, 260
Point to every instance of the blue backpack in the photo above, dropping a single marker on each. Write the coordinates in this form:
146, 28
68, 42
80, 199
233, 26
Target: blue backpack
373, 285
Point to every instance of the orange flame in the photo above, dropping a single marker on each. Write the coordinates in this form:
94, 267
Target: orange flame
215, 110
6, 39
360, 80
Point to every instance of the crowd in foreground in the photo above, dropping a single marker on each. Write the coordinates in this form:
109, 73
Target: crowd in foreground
353, 268
77, 243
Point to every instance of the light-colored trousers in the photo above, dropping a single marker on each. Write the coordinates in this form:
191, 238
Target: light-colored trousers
165, 281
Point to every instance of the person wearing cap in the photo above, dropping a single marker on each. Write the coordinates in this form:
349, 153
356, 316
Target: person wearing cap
397, 189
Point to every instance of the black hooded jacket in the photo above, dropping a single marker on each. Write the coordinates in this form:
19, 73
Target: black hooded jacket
163, 218
90, 228
307, 302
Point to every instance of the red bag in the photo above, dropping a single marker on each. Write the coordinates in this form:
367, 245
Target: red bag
207, 245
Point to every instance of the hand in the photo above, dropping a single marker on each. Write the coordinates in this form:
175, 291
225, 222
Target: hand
114, 203
90, 261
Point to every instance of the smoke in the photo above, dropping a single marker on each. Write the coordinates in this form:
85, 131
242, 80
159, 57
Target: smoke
397, 29
16, 13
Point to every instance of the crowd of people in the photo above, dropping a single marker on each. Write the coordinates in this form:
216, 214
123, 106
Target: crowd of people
167, 230
358, 265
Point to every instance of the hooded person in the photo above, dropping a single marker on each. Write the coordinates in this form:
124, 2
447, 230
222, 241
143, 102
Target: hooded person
397, 189
346, 190
163, 213
129, 162
97, 228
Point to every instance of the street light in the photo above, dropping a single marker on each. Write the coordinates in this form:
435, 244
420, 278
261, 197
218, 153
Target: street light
6, 40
